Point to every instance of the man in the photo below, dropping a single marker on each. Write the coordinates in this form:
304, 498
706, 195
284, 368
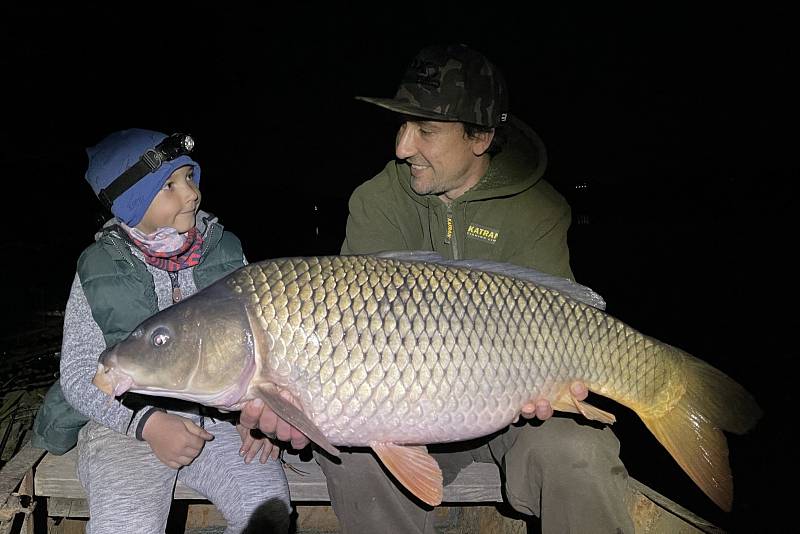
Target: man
467, 183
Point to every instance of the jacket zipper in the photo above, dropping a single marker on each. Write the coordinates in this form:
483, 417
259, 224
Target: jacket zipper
119, 250
450, 237
174, 279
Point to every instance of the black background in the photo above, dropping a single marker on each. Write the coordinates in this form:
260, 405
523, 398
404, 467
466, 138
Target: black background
668, 129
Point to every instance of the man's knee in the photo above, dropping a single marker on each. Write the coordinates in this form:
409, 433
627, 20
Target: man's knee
366, 499
354, 473
563, 440
562, 467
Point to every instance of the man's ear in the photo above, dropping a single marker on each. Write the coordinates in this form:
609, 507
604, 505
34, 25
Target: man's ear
481, 142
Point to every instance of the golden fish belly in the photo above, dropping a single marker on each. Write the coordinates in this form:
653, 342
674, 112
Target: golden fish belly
383, 350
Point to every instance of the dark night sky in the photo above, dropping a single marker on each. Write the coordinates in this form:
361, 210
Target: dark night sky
677, 119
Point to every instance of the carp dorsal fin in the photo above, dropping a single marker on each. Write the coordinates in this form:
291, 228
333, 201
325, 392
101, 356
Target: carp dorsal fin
564, 286
292, 415
414, 468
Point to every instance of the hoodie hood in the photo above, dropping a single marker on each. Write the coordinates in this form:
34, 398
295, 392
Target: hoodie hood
519, 165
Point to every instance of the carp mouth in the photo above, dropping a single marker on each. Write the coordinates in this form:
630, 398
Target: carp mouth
111, 380
114, 382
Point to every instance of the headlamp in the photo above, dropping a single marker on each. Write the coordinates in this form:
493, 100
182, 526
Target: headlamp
174, 146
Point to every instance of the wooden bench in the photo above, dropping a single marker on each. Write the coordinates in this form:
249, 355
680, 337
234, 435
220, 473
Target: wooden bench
55, 478
53, 484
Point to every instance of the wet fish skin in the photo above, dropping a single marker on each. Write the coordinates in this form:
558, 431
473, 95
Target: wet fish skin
408, 352
383, 351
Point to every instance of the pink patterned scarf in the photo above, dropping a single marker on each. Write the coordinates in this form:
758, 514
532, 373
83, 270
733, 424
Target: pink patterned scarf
166, 248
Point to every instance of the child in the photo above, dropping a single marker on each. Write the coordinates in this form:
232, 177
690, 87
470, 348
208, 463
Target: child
158, 249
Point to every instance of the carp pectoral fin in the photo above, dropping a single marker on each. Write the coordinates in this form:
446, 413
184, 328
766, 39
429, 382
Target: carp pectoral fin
568, 403
292, 415
414, 468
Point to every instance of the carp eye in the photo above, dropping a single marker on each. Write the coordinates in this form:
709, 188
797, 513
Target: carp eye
160, 337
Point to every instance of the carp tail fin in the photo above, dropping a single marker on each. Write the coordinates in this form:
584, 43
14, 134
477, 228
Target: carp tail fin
692, 429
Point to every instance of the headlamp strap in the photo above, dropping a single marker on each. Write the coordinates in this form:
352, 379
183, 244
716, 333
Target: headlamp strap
124, 181
168, 149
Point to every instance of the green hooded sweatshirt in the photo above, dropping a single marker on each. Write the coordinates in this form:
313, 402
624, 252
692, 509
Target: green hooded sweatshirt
511, 215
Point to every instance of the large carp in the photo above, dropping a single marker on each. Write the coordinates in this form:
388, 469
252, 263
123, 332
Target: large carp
399, 350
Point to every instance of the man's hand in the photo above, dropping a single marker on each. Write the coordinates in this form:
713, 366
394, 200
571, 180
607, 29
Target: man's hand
541, 407
252, 442
256, 414
175, 440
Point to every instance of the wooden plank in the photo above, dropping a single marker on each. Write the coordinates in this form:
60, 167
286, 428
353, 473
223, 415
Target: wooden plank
13, 477
12, 473
478, 482
56, 477
66, 526
26, 488
15, 480
62, 507
676, 514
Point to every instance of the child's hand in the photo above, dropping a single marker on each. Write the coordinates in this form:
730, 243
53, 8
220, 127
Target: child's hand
252, 442
175, 440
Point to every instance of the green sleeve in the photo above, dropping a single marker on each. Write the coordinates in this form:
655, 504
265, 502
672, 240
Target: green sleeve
373, 223
538, 236
550, 250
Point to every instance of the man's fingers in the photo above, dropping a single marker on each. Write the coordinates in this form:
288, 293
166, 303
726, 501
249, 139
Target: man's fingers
247, 442
543, 410
256, 414
266, 451
579, 390
299, 440
268, 421
251, 412
251, 453
270, 450
283, 431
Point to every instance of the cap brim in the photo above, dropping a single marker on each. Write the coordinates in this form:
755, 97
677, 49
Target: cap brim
407, 109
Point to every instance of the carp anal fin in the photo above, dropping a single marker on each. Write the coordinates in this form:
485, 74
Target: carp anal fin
568, 403
414, 468
564, 286
292, 415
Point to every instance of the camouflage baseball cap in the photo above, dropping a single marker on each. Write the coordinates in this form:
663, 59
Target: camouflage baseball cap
450, 83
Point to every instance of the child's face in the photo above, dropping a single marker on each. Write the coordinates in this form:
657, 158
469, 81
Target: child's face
175, 205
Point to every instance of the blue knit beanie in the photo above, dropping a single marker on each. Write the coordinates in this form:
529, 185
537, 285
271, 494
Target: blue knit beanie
113, 155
